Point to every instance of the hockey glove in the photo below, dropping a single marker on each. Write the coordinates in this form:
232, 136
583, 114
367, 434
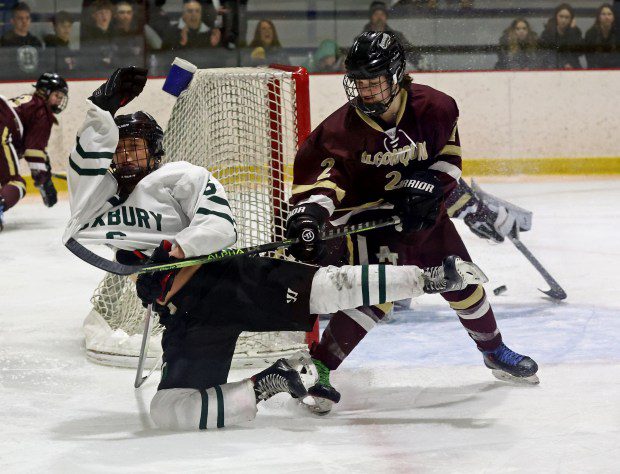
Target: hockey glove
418, 201
156, 285
305, 223
122, 87
490, 222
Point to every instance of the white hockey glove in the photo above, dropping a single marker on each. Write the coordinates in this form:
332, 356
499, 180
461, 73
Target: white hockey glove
492, 222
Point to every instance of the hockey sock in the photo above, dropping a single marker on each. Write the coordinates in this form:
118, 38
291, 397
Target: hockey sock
350, 286
476, 316
11, 193
344, 331
215, 407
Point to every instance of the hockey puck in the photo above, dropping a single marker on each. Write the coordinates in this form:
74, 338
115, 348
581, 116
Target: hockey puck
499, 290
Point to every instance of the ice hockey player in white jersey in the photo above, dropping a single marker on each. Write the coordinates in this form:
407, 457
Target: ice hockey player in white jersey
122, 197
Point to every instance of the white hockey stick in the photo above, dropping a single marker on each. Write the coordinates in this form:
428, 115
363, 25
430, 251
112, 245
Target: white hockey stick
144, 348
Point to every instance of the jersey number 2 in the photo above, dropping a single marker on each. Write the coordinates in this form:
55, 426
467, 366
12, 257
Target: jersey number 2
328, 164
394, 177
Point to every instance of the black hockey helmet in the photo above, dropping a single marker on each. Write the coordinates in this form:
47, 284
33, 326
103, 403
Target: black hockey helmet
49, 82
374, 54
137, 125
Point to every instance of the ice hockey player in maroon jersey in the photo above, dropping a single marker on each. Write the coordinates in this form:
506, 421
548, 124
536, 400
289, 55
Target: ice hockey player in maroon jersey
25, 127
392, 149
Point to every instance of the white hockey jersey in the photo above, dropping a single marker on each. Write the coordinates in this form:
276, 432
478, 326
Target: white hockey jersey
179, 202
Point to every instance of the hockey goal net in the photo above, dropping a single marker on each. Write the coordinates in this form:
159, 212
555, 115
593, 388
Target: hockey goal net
244, 125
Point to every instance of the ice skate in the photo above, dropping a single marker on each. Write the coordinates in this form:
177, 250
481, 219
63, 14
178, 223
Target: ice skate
279, 377
455, 274
507, 365
323, 395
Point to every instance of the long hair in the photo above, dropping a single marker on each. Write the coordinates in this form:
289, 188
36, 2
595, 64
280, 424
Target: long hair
531, 40
258, 42
552, 23
597, 20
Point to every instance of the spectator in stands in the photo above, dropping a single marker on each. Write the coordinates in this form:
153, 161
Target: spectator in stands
327, 58
561, 40
602, 43
235, 23
159, 19
127, 36
378, 16
60, 41
97, 46
62, 31
266, 47
518, 47
230, 17
190, 31
20, 34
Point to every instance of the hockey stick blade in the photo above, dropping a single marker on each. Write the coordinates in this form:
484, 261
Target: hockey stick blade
124, 270
556, 292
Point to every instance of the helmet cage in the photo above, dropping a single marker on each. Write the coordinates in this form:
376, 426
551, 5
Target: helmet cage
129, 172
370, 108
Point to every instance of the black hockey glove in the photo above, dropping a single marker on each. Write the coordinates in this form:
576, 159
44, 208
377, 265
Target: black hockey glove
490, 222
122, 87
43, 182
306, 222
156, 285
418, 201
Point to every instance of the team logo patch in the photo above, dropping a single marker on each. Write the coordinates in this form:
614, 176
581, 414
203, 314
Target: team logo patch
27, 58
385, 41
291, 296
308, 235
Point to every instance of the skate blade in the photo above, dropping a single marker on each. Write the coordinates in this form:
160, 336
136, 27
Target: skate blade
470, 272
317, 405
506, 377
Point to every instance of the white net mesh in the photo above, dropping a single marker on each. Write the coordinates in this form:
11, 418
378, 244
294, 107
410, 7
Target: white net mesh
241, 124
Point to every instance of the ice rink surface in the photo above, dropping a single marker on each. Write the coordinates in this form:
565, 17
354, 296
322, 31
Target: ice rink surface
415, 394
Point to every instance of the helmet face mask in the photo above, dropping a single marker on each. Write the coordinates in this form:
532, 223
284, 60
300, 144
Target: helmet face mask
54, 88
371, 96
132, 160
374, 58
139, 150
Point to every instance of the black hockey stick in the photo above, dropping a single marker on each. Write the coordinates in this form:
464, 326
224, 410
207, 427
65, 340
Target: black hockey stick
121, 269
60, 175
556, 292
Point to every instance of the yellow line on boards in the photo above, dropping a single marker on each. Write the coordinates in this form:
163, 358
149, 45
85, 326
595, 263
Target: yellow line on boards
471, 167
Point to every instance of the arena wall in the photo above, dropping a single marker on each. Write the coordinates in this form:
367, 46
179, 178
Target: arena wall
538, 122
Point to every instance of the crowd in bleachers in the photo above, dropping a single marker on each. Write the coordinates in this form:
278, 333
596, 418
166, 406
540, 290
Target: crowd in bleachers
215, 33
561, 43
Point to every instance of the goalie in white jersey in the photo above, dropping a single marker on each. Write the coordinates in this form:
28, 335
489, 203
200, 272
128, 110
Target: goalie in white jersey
120, 196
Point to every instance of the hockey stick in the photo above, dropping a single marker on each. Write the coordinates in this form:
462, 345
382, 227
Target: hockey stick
121, 269
60, 176
556, 292
523, 222
144, 348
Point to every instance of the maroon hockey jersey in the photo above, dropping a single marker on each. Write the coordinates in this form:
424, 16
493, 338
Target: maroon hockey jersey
349, 162
29, 120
